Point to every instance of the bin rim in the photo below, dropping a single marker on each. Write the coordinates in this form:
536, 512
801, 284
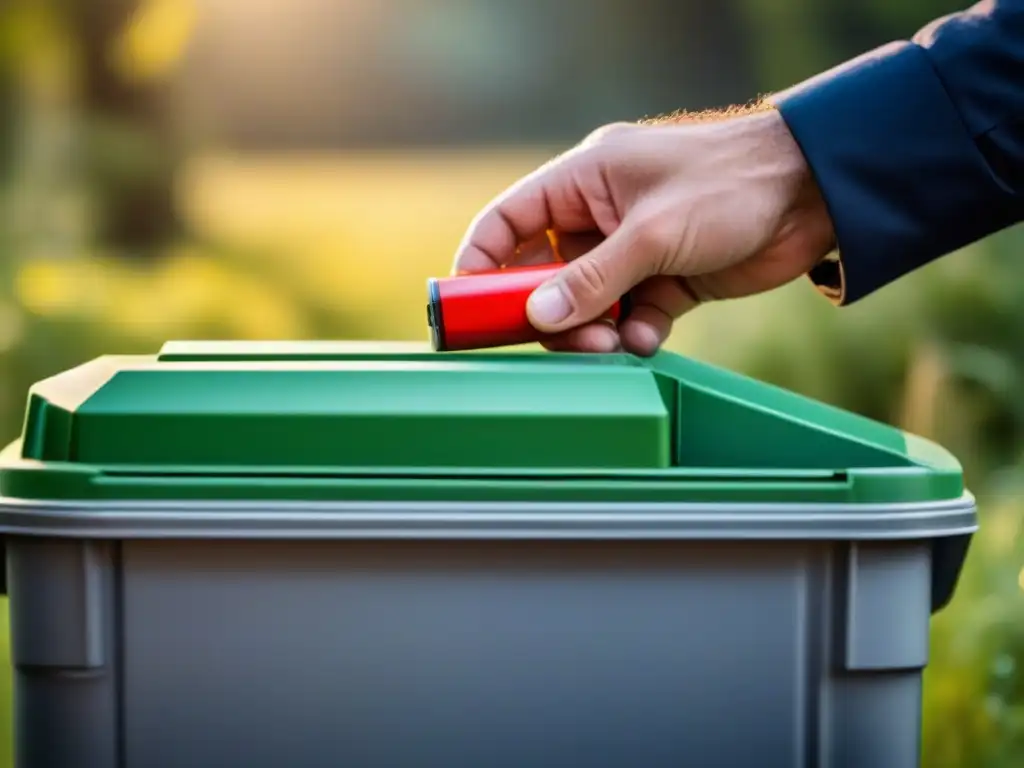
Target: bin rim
243, 519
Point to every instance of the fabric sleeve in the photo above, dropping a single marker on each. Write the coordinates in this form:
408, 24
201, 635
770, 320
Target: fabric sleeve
917, 147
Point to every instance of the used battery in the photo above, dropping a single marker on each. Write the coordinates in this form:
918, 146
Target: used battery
488, 309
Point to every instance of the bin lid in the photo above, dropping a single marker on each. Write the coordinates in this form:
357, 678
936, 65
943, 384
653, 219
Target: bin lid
318, 420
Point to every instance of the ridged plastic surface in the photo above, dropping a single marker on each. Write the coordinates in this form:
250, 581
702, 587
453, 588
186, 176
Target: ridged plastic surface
205, 654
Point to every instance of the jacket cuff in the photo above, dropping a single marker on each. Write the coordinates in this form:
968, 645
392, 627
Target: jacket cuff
900, 173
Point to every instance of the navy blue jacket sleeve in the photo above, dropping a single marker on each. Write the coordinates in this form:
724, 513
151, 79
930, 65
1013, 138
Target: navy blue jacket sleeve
918, 147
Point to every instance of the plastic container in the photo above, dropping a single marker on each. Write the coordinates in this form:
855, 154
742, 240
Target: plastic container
323, 555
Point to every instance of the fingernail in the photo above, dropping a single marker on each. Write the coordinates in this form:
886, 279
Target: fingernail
648, 338
548, 305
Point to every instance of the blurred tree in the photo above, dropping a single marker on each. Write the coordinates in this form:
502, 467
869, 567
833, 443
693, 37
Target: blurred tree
131, 154
84, 91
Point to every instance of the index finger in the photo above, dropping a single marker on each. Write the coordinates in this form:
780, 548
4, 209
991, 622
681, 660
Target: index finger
516, 216
543, 200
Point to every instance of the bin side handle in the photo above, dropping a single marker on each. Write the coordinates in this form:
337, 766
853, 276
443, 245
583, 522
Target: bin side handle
948, 556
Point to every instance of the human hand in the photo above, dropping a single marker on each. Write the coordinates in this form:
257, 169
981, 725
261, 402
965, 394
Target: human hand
675, 213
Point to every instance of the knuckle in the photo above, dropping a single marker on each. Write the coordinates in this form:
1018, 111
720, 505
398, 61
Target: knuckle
653, 242
609, 132
587, 279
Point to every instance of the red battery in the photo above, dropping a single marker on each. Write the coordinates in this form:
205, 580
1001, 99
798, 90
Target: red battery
488, 309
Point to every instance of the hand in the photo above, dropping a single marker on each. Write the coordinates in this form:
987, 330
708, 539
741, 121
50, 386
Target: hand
679, 214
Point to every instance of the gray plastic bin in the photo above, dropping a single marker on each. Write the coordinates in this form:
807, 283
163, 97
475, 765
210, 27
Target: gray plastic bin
320, 556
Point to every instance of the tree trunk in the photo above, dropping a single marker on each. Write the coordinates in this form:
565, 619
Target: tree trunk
129, 157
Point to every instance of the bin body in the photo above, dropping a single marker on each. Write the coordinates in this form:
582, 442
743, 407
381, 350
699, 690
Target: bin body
216, 599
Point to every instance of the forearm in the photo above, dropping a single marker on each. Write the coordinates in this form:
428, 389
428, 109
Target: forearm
917, 147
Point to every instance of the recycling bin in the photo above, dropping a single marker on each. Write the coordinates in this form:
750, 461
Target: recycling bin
320, 555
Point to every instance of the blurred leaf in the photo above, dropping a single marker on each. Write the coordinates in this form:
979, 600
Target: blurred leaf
994, 370
155, 39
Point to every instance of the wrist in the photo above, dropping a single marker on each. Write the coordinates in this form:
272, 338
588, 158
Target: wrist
784, 164
777, 155
803, 215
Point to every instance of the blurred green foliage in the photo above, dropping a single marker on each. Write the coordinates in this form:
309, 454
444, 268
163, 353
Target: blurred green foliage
338, 246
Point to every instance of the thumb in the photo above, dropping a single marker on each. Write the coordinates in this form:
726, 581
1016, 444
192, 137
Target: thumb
585, 288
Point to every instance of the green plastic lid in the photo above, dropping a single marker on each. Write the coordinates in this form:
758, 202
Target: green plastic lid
332, 421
